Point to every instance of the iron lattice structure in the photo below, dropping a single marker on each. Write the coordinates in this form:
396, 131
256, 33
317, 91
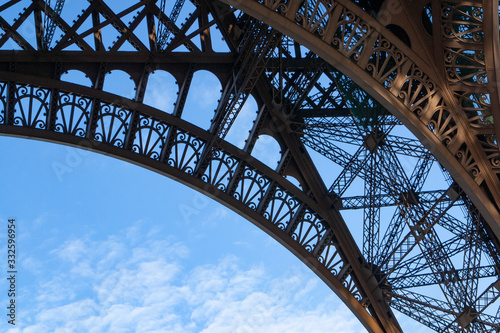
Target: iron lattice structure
391, 93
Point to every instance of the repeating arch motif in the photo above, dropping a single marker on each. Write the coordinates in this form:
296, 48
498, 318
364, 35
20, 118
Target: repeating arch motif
72, 114
174, 147
150, 137
423, 96
32, 103
457, 121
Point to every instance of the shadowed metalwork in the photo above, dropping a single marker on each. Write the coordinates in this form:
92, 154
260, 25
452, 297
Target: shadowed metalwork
399, 103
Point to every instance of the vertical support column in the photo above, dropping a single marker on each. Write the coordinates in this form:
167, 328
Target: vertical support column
98, 84
184, 90
139, 97
39, 29
371, 213
11, 98
54, 100
151, 32
206, 39
99, 45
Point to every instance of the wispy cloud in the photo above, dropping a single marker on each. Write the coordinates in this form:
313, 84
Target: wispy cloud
114, 286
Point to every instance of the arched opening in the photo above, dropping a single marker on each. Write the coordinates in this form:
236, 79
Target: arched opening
76, 77
267, 150
240, 130
120, 83
293, 180
202, 99
161, 91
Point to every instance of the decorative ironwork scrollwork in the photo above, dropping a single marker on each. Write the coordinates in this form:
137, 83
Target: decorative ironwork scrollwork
309, 231
72, 114
477, 108
385, 62
150, 137
112, 124
353, 289
251, 187
465, 66
490, 146
3, 101
31, 105
464, 23
443, 125
220, 170
331, 259
417, 90
280, 5
281, 208
314, 15
351, 35
466, 158
185, 152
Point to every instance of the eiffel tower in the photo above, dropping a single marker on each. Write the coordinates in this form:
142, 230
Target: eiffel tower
397, 100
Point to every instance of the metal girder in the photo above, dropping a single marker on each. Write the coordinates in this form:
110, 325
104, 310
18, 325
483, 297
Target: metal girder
10, 31
350, 172
8, 4
418, 264
165, 28
426, 279
50, 24
371, 212
180, 33
396, 225
305, 98
431, 312
171, 146
255, 47
346, 134
387, 200
356, 61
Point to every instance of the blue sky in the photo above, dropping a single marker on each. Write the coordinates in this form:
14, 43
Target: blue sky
113, 247
106, 246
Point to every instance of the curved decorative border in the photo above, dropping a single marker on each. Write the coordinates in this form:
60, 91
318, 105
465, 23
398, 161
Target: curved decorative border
356, 44
66, 113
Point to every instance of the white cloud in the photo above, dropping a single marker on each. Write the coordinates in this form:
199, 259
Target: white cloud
71, 250
54, 290
71, 312
31, 264
111, 286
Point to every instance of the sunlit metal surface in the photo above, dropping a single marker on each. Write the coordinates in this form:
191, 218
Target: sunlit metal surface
398, 101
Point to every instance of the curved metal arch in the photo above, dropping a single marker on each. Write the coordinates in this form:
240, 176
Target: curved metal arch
492, 54
121, 127
467, 33
74, 115
359, 46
